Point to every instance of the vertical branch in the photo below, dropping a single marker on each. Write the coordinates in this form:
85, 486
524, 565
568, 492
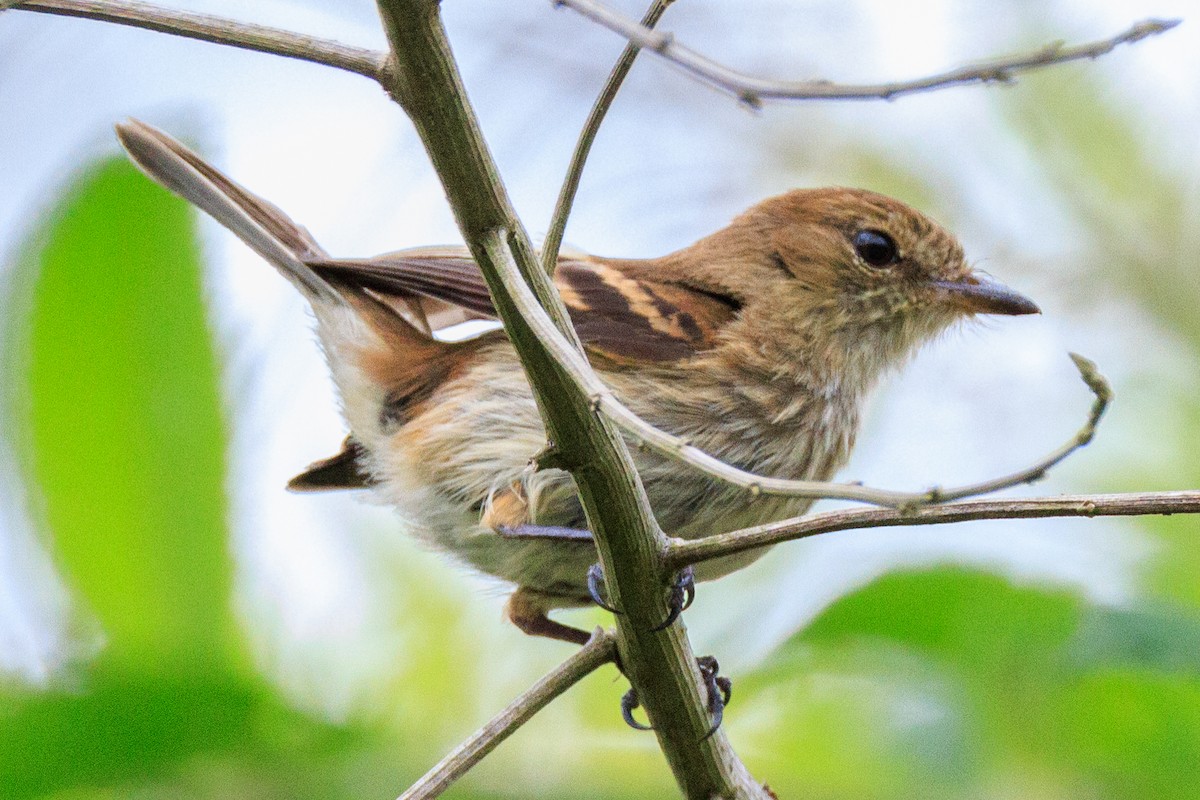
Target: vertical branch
422, 76
583, 147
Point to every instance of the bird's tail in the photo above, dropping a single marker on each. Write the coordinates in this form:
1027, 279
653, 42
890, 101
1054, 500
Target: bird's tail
262, 226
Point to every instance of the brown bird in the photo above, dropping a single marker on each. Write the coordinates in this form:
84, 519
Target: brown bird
758, 344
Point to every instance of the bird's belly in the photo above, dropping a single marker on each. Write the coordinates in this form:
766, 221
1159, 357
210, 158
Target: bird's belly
469, 444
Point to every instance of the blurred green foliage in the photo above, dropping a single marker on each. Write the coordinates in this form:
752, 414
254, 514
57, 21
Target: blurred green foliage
114, 393
946, 683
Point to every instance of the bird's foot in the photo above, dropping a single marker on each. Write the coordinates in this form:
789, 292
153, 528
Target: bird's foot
718, 688
683, 592
630, 701
595, 580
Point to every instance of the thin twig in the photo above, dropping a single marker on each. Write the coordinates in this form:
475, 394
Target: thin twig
752, 90
681, 553
651, 438
599, 650
218, 30
566, 195
1103, 392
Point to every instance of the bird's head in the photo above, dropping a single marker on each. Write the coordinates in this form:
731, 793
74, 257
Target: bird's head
848, 269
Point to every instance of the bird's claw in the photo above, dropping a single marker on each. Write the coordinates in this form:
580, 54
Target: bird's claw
595, 578
629, 702
718, 688
683, 592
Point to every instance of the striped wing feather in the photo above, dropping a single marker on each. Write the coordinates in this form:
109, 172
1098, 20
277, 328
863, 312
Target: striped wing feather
624, 319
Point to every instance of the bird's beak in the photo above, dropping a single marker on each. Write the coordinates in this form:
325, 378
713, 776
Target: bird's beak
976, 294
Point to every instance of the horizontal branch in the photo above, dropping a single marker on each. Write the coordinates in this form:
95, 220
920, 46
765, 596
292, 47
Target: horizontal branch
681, 553
599, 650
219, 30
753, 90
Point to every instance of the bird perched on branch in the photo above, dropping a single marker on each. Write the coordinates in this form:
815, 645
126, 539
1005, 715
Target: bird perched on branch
757, 343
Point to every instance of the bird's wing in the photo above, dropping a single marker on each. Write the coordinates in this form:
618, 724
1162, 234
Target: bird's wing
625, 319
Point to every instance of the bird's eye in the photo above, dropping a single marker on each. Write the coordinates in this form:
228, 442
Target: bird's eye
876, 248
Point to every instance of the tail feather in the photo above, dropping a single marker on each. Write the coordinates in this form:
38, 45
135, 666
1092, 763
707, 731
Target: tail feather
262, 226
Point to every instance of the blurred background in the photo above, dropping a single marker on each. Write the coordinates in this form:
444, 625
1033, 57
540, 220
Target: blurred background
173, 624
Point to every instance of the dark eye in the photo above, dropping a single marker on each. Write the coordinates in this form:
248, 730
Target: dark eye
876, 248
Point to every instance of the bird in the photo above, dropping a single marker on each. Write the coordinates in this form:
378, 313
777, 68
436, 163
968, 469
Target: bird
759, 344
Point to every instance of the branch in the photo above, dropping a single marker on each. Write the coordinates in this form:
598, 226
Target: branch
681, 553
753, 91
566, 196
421, 75
1103, 392
218, 30
599, 650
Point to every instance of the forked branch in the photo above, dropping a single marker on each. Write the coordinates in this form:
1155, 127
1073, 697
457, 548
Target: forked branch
754, 91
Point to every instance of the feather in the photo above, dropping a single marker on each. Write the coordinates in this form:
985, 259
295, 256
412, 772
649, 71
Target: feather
626, 319
345, 470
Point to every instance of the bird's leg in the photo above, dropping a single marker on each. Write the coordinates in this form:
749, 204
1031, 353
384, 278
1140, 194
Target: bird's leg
551, 532
683, 592
507, 513
527, 609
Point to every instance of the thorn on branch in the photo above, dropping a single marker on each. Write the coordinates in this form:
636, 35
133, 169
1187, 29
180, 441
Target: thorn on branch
548, 457
750, 100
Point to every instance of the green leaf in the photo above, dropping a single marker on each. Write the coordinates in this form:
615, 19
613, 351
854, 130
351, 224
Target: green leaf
115, 401
171, 728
